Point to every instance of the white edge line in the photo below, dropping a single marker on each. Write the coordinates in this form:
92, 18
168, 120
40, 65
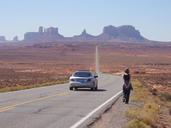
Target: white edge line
78, 124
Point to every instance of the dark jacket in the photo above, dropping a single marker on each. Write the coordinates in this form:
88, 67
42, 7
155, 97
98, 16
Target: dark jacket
127, 84
127, 78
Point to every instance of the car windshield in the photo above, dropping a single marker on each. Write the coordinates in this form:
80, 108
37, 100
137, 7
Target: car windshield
82, 74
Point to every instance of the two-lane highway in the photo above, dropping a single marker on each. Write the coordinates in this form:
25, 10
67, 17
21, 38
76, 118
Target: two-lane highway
54, 106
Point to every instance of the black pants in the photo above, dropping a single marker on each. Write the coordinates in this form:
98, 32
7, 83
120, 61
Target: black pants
126, 94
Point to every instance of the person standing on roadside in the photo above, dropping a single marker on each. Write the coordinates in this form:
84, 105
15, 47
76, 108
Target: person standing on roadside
127, 86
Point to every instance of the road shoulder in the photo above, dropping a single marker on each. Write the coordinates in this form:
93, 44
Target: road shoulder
114, 117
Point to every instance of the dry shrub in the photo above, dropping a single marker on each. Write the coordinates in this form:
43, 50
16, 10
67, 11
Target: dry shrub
137, 124
147, 114
139, 72
140, 92
21, 87
165, 96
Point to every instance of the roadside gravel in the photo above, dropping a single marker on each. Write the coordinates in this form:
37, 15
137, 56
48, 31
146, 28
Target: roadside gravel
114, 117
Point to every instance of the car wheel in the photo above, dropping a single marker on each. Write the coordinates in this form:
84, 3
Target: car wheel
70, 88
96, 88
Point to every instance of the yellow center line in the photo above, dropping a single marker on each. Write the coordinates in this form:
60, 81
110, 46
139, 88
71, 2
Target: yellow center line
6, 108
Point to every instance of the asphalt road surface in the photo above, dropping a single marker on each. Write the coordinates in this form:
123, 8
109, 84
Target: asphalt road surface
54, 106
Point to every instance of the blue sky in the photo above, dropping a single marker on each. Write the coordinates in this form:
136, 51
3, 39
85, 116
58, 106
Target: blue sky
151, 17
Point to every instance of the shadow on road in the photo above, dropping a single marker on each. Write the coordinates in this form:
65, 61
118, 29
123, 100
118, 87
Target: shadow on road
99, 90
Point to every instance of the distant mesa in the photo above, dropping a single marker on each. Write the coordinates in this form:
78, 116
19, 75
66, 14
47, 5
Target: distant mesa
15, 39
121, 33
2, 38
43, 34
84, 36
110, 33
